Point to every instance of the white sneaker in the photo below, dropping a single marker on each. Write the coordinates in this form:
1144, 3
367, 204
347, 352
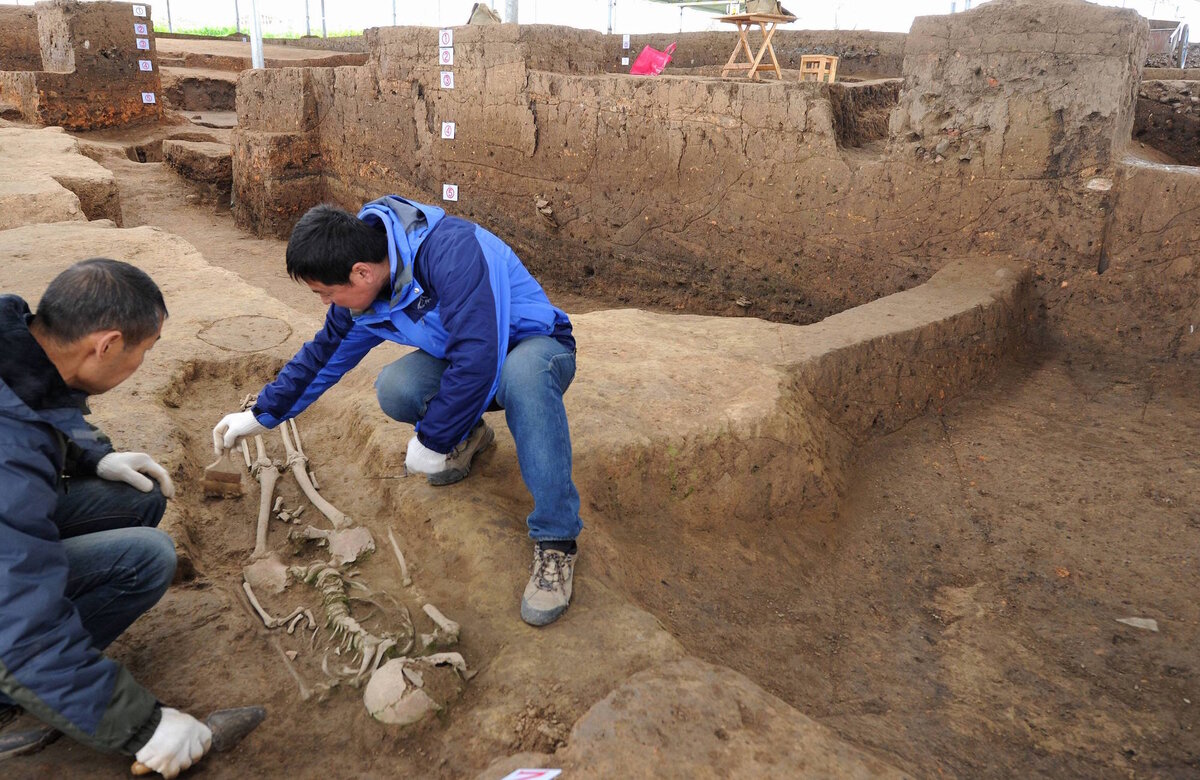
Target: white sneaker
548, 593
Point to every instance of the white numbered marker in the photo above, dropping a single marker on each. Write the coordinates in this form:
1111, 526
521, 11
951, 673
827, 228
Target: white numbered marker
449, 192
145, 65
624, 60
139, 10
140, 29
148, 97
446, 55
447, 79
448, 130
624, 41
533, 774
143, 44
446, 38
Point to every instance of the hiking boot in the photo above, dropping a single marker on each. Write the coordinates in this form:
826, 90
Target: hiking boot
549, 590
458, 462
23, 743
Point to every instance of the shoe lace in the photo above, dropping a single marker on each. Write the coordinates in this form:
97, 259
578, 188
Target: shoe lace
461, 447
550, 569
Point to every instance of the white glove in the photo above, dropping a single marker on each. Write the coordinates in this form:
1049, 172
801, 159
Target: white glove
422, 460
233, 427
179, 741
130, 467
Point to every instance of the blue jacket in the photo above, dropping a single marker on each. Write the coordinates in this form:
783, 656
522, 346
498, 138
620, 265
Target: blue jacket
457, 292
47, 661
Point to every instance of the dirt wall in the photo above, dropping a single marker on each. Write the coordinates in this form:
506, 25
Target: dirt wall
344, 43
859, 52
19, 46
725, 196
1168, 119
89, 75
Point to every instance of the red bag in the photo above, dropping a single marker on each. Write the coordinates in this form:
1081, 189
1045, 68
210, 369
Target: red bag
651, 61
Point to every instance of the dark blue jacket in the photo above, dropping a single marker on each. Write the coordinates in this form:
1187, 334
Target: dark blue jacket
47, 661
457, 292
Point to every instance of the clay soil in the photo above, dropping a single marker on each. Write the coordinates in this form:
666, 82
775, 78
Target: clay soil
957, 617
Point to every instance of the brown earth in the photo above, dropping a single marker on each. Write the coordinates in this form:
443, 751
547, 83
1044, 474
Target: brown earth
1168, 119
955, 616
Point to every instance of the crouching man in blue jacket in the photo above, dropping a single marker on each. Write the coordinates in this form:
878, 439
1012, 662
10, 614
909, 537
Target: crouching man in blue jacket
487, 337
80, 557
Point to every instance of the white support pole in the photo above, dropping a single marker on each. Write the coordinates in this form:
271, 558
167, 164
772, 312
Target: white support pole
510, 11
256, 42
610, 15
324, 34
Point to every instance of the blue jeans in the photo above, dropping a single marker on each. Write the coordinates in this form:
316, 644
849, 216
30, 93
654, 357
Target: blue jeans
119, 564
535, 375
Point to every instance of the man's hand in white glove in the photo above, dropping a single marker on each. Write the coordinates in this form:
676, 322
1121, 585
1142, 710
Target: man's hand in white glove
233, 427
179, 741
422, 460
131, 467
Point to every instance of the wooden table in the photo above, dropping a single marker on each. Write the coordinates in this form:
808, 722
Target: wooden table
767, 23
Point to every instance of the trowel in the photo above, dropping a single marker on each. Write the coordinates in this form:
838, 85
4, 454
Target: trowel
229, 727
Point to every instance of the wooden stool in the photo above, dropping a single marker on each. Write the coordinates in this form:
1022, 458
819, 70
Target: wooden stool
818, 67
767, 23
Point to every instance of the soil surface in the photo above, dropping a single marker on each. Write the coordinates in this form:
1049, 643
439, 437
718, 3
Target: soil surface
957, 616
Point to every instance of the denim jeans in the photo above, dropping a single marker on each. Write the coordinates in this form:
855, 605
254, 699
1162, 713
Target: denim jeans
535, 375
119, 564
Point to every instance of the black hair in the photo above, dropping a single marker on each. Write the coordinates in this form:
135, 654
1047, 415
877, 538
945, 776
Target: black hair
326, 243
101, 294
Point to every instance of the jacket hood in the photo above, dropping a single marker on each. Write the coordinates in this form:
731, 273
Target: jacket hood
407, 224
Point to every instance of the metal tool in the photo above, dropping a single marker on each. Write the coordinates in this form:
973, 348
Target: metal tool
229, 727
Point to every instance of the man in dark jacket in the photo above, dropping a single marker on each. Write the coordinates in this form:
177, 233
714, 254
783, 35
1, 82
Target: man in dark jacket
487, 338
80, 558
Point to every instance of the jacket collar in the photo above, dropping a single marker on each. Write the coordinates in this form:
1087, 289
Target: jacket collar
24, 367
407, 224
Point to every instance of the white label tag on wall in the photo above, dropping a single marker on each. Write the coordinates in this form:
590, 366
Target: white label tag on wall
624, 41
148, 97
140, 29
139, 10
533, 774
624, 60
143, 44
446, 55
449, 192
145, 65
446, 38
447, 79
448, 130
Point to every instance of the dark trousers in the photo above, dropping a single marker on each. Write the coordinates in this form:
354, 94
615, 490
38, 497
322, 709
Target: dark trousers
119, 563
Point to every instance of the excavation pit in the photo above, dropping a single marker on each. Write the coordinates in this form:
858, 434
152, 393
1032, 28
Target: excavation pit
884, 413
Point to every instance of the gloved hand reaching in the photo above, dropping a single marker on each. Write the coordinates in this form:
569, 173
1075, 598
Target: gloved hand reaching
179, 741
233, 427
131, 467
422, 460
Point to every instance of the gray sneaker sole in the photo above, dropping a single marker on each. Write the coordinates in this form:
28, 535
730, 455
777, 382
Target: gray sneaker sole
540, 617
23, 743
450, 476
